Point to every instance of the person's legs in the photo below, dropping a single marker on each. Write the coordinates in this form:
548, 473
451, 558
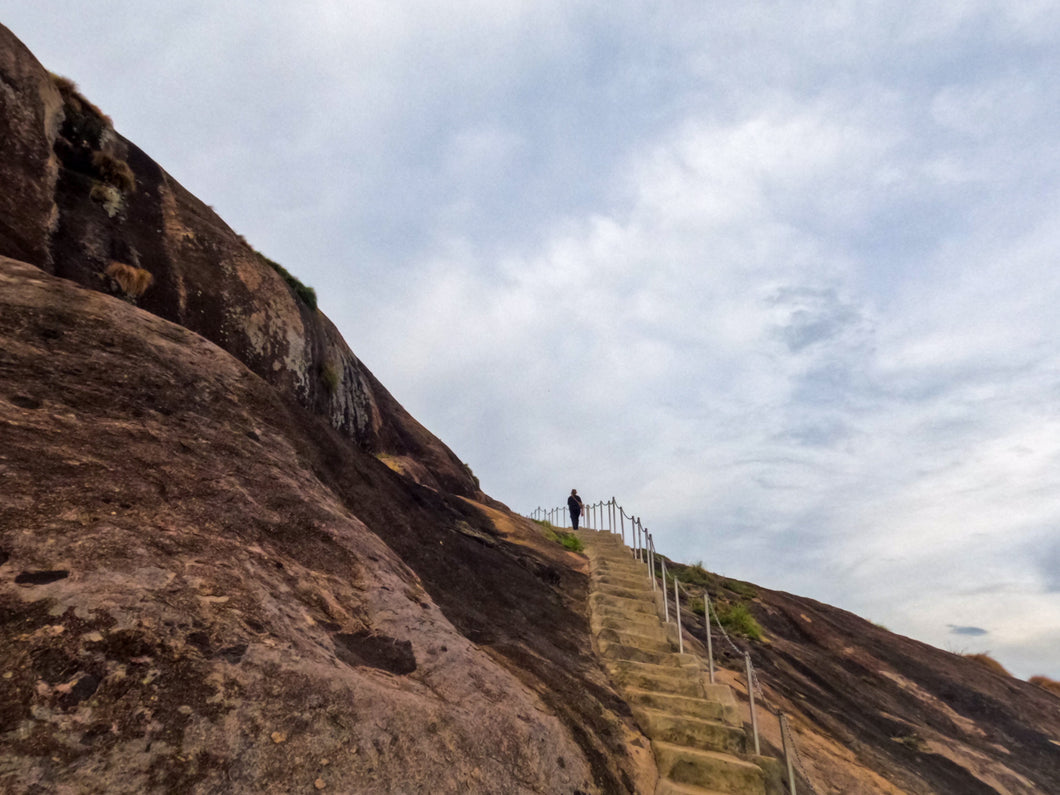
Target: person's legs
574, 519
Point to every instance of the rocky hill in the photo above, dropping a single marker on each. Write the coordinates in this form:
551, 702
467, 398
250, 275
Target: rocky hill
230, 561
876, 712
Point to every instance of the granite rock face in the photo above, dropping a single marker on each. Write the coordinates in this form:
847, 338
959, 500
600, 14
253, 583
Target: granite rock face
196, 594
78, 196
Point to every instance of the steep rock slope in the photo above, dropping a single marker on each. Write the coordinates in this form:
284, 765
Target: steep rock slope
878, 713
195, 592
78, 197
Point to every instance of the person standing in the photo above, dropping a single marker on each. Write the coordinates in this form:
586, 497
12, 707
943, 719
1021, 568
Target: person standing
574, 502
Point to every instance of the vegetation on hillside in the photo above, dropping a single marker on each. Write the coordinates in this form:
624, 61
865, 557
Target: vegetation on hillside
84, 123
304, 292
730, 598
988, 662
133, 281
1046, 683
566, 539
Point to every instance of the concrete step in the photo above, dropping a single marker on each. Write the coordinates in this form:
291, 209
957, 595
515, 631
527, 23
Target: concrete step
628, 604
635, 609
707, 735
708, 769
624, 651
634, 579
616, 555
640, 623
658, 678
620, 577
684, 665
619, 618
667, 787
690, 706
616, 559
723, 695
639, 591
655, 641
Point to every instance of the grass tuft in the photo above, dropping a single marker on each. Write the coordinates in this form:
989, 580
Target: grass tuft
567, 540
330, 375
737, 620
746, 590
84, 123
108, 196
1046, 683
304, 292
571, 542
133, 281
114, 171
988, 662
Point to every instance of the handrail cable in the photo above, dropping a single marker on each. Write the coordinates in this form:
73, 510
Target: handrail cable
643, 550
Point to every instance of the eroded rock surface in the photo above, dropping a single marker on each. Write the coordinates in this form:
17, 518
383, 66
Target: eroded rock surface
201, 589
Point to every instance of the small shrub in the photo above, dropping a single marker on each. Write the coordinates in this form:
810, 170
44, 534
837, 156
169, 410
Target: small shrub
692, 575
472, 475
548, 531
737, 620
133, 281
330, 375
64, 84
746, 590
84, 123
1046, 683
307, 294
108, 196
571, 542
988, 662
912, 741
114, 171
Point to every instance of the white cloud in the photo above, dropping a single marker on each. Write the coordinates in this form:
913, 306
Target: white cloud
782, 282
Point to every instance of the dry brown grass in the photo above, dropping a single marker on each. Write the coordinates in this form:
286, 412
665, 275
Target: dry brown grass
64, 84
1046, 683
114, 171
989, 662
132, 280
76, 101
108, 196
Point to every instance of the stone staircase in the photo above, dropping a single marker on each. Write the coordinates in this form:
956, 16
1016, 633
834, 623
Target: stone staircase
694, 727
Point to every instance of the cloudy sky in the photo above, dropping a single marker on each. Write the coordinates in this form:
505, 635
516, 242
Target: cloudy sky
784, 282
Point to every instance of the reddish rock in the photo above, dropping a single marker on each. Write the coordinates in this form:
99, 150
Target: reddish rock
205, 588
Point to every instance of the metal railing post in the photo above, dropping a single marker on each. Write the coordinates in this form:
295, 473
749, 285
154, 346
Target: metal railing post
650, 548
622, 519
787, 751
666, 603
710, 644
751, 698
677, 612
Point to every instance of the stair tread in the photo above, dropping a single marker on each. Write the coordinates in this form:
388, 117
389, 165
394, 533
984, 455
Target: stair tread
714, 756
690, 718
668, 787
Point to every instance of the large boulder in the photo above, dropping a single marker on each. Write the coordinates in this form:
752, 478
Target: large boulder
81, 202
